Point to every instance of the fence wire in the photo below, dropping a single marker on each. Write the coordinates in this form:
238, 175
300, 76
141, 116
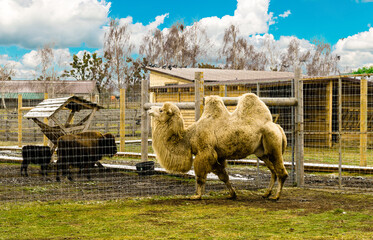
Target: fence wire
335, 136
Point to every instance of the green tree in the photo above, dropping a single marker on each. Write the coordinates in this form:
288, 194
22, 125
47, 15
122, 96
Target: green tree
90, 68
364, 70
207, 65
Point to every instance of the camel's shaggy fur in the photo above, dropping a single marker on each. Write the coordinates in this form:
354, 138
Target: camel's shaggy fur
219, 135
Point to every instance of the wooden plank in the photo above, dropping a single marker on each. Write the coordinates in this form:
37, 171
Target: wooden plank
89, 120
232, 101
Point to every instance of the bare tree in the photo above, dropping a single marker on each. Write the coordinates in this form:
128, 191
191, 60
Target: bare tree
272, 53
293, 56
175, 47
152, 47
117, 48
231, 47
322, 61
6, 73
179, 46
48, 68
198, 43
46, 57
239, 54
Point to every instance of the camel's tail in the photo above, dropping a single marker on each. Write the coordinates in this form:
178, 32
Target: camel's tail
284, 140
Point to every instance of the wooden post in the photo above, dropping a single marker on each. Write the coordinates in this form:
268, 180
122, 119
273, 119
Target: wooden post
198, 94
222, 90
299, 134
19, 120
363, 121
45, 139
122, 128
144, 120
340, 132
329, 111
152, 99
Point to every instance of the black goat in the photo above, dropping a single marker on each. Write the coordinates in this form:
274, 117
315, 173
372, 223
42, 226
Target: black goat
40, 155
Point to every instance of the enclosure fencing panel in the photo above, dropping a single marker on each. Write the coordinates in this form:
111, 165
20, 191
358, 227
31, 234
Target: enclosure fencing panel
248, 173
108, 178
338, 141
338, 132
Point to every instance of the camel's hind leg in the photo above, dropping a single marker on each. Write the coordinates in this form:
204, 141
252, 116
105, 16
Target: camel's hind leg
221, 172
274, 143
281, 173
269, 164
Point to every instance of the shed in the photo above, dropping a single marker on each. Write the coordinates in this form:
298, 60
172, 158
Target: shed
32, 91
49, 108
321, 102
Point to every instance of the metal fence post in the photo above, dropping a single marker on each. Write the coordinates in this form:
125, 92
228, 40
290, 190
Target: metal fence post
299, 136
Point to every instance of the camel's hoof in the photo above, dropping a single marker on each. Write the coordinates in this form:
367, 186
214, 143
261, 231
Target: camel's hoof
196, 197
274, 199
266, 196
233, 197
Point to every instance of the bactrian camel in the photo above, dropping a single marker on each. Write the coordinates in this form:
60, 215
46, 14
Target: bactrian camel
219, 135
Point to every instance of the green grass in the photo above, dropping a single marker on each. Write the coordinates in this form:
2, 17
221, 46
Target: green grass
178, 218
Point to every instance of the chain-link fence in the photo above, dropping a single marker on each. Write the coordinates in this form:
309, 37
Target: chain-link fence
338, 116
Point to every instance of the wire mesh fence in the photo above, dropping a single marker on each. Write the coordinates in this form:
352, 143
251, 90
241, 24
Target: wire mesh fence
337, 145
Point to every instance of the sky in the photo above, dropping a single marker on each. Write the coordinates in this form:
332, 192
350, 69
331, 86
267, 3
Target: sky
74, 26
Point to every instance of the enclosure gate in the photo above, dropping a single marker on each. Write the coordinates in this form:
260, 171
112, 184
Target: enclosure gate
296, 101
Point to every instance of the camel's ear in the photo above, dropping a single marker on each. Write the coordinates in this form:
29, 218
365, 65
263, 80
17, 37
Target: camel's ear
169, 112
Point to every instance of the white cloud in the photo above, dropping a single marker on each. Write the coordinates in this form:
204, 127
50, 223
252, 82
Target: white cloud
251, 17
285, 14
68, 23
356, 50
139, 30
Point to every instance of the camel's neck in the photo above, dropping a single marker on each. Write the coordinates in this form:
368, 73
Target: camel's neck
172, 148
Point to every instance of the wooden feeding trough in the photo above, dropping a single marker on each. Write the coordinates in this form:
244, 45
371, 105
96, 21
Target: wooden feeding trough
49, 108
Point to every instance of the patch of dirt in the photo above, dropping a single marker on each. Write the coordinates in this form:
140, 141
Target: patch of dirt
115, 184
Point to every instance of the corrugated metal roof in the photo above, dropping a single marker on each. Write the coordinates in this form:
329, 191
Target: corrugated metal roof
217, 75
48, 107
58, 87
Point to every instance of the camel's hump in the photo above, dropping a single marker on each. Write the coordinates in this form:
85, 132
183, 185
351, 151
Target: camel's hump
250, 105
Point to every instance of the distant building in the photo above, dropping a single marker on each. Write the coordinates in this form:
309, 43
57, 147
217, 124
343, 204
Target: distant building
33, 91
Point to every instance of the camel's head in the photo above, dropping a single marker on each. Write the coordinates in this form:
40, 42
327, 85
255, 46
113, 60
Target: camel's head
169, 116
165, 112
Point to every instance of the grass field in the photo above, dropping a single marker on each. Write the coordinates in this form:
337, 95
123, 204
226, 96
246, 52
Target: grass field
300, 214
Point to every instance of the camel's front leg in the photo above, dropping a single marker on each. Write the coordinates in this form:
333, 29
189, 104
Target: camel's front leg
221, 172
200, 187
202, 166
